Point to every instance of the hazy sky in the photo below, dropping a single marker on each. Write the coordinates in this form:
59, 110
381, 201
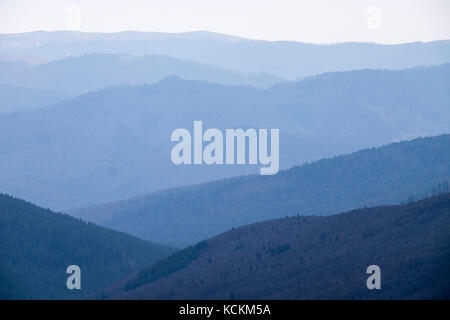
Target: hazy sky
317, 21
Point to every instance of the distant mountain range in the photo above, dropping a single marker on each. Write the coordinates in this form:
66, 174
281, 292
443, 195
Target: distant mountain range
38, 245
90, 72
310, 258
285, 59
85, 128
386, 175
115, 143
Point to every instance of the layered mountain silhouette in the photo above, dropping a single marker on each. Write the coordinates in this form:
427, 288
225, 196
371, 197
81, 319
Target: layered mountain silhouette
38, 245
90, 72
115, 143
308, 257
386, 175
85, 128
286, 59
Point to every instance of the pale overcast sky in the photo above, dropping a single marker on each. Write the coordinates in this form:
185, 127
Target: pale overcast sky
317, 21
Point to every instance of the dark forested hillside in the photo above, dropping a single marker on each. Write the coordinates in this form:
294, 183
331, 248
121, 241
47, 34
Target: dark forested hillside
308, 257
37, 245
386, 175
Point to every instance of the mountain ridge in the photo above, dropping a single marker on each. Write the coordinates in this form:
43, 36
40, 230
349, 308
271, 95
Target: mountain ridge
125, 131
385, 175
285, 59
91, 72
308, 257
38, 245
